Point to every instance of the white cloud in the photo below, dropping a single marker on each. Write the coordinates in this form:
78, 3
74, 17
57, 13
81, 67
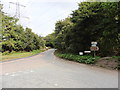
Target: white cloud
42, 13
56, 0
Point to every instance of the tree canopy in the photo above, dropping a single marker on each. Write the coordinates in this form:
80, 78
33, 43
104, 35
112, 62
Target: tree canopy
92, 21
16, 38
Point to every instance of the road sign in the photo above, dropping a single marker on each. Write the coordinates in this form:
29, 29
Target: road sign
80, 53
87, 51
94, 43
94, 48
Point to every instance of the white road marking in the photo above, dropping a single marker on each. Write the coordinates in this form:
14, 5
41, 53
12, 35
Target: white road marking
56, 84
16, 73
12, 75
7, 74
31, 70
13, 72
20, 71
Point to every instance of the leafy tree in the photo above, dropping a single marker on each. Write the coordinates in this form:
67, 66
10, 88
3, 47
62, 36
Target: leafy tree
49, 40
92, 21
15, 38
8, 24
62, 28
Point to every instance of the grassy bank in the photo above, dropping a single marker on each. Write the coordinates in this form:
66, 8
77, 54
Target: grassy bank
16, 55
105, 62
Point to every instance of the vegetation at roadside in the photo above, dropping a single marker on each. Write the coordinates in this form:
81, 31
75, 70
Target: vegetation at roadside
104, 62
16, 55
17, 41
49, 40
15, 37
92, 21
118, 57
87, 59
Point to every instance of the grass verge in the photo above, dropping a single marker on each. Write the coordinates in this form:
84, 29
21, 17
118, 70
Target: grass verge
82, 59
16, 55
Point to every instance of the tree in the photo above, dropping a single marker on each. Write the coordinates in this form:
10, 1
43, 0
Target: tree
61, 30
49, 40
15, 38
8, 25
92, 21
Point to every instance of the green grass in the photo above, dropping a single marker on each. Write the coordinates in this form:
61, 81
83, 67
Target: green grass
82, 59
16, 55
118, 57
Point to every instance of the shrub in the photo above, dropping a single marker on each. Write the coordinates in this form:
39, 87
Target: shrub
5, 53
78, 58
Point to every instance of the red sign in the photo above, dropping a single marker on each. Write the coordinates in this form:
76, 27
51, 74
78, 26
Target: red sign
95, 48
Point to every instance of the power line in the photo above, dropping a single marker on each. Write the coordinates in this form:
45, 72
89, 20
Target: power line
18, 5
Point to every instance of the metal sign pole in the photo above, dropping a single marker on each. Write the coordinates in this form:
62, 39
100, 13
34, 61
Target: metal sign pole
94, 54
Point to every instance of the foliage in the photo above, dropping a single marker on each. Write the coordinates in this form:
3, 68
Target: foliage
49, 40
78, 58
16, 38
118, 57
6, 53
92, 21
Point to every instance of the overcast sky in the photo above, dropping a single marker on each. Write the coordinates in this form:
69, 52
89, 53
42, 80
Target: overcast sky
41, 15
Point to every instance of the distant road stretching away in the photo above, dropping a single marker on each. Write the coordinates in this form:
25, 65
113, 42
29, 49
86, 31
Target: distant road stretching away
48, 71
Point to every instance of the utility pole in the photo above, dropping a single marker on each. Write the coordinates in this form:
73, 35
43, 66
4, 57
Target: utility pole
17, 11
17, 14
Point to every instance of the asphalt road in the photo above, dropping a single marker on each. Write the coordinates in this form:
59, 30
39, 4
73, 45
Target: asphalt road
47, 71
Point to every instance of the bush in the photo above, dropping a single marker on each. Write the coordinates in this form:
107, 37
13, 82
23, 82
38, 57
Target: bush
78, 58
5, 53
13, 52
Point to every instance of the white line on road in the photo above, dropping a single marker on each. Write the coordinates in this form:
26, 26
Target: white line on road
56, 84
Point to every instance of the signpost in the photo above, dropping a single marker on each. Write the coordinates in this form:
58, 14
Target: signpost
94, 47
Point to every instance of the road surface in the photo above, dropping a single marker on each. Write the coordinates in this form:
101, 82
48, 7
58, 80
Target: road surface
47, 71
